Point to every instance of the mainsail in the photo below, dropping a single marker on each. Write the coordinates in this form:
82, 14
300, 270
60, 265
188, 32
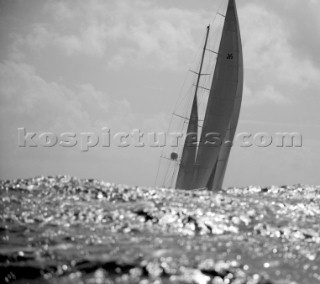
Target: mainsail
203, 163
223, 106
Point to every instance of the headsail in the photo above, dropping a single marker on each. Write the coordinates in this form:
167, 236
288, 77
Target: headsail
184, 178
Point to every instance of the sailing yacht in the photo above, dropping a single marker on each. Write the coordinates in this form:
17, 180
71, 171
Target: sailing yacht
203, 159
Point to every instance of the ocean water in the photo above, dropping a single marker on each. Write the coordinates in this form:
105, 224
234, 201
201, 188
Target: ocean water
66, 230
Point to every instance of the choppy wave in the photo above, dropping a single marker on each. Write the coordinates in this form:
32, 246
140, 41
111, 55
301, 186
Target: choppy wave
66, 230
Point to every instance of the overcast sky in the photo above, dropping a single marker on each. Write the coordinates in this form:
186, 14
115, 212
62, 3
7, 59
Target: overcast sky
79, 66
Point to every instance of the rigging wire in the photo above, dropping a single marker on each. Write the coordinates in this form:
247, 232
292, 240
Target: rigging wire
178, 102
185, 101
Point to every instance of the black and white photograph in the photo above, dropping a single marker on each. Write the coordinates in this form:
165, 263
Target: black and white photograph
157, 141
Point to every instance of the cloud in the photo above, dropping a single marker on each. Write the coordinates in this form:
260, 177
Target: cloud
89, 41
163, 37
136, 33
264, 95
29, 101
273, 70
145, 35
301, 23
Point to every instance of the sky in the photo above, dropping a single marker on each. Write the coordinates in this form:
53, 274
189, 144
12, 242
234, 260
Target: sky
85, 66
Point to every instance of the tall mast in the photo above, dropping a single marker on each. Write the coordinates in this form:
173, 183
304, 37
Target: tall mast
202, 59
184, 179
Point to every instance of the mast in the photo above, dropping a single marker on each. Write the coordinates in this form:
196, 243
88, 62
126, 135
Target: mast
223, 107
184, 179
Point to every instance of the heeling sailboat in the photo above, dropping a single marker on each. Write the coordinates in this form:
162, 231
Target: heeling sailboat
203, 164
